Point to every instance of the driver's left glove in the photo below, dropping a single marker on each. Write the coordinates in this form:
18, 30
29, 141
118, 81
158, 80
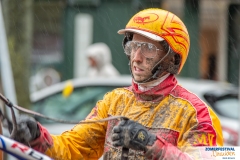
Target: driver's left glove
130, 134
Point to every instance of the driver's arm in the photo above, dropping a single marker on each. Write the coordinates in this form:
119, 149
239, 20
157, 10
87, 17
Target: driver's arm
83, 141
133, 135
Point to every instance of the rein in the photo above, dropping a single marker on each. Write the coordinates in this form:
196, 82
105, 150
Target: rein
11, 106
125, 151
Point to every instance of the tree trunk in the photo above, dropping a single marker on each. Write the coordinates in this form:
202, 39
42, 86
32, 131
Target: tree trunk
18, 22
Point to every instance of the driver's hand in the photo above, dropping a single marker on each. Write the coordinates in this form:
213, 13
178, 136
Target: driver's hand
27, 130
132, 135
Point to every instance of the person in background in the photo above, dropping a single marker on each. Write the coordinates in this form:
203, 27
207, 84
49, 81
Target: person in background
100, 61
162, 119
44, 77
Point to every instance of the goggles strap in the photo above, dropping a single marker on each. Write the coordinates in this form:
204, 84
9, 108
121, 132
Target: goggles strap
156, 69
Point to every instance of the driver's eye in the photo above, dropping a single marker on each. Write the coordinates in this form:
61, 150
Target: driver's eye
134, 46
150, 46
144, 46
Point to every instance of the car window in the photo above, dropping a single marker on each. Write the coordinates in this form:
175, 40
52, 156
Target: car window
227, 107
74, 108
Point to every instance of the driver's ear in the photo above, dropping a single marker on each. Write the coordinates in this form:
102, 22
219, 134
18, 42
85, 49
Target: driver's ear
172, 60
176, 59
174, 63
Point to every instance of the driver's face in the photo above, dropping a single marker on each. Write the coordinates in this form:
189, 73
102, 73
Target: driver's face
141, 66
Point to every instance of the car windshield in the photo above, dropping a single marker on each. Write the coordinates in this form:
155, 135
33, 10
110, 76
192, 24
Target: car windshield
73, 108
227, 107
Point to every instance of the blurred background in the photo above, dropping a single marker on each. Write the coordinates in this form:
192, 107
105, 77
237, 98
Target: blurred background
46, 39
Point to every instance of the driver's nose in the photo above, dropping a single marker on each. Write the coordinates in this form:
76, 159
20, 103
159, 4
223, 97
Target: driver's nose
138, 56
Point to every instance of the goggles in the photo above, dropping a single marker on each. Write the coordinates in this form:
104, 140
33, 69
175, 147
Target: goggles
148, 50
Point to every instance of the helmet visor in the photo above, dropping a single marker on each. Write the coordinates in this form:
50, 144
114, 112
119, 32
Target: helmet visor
143, 33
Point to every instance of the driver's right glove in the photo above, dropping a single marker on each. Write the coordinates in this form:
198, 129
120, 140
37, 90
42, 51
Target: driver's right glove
33, 134
130, 134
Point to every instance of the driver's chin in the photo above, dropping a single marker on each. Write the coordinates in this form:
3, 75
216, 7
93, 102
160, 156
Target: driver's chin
140, 79
142, 76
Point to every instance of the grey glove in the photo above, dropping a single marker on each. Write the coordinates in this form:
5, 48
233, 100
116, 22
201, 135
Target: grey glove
27, 130
130, 134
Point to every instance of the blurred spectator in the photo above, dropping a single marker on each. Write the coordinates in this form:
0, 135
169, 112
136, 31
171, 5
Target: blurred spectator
43, 78
100, 61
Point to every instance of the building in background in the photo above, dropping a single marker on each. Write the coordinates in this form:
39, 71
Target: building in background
63, 30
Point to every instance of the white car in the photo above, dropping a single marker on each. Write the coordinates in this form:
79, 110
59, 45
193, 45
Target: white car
87, 91
222, 97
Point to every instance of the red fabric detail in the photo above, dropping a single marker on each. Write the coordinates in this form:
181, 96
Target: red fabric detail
108, 140
164, 150
201, 109
154, 150
43, 142
93, 113
203, 115
211, 139
161, 90
168, 135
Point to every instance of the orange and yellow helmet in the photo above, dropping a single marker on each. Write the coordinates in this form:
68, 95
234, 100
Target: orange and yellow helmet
159, 25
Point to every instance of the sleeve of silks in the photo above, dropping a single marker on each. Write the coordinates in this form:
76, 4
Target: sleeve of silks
164, 150
191, 144
83, 141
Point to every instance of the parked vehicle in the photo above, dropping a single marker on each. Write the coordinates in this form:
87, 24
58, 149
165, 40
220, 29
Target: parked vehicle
86, 92
222, 97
